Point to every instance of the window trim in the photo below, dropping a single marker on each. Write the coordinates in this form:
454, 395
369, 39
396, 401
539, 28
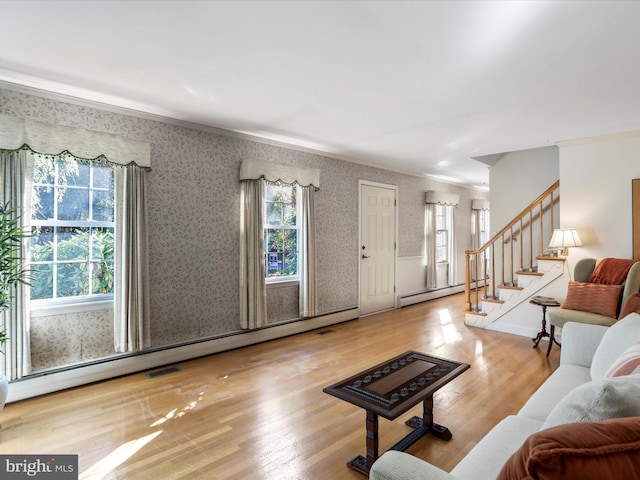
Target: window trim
442, 232
71, 304
50, 307
267, 226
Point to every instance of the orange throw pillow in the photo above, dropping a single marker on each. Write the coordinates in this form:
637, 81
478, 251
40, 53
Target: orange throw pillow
631, 305
593, 297
579, 451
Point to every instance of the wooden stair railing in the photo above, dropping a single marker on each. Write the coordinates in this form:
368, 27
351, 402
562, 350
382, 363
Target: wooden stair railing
534, 225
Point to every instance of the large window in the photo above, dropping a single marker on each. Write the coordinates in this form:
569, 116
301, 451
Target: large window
484, 226
72, 244
280, 231
442, 234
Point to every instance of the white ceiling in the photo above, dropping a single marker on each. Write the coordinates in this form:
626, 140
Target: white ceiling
416, 86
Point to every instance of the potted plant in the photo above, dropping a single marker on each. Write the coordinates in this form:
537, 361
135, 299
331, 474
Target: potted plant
12, 272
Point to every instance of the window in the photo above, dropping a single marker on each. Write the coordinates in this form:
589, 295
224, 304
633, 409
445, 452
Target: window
72, 244
484, 226
442, 234
280, 231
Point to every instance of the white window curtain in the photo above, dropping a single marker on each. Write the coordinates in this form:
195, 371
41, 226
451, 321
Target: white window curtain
16, 171
131, 319
307, 256
254, 172
131, 298
253, 294
477, 205
451, 201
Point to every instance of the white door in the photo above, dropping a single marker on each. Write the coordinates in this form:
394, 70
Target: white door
377, 248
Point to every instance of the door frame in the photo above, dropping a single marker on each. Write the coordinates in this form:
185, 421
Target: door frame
395, 237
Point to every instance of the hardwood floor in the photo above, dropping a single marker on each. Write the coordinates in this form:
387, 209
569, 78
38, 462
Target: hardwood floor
259, 412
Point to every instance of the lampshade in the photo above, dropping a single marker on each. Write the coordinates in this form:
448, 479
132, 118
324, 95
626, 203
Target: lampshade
563, 238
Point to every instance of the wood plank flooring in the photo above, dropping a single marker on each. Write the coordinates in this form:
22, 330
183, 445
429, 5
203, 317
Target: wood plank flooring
259, 412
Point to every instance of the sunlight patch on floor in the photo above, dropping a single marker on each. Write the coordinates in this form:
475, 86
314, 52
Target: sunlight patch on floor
449, 330
276, 443
117, 457
177, 413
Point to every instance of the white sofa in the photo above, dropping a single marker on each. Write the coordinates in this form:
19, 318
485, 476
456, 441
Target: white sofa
577, 391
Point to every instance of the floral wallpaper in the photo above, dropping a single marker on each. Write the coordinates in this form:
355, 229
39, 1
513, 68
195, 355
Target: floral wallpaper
70, 338
193, 203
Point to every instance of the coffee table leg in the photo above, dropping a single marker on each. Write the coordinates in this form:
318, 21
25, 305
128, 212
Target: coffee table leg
424, 425
360, 463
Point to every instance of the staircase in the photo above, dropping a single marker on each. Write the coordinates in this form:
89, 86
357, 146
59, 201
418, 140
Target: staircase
513, 265
529, 283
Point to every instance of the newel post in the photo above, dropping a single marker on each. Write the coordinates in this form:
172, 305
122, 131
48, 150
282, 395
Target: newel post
467, 281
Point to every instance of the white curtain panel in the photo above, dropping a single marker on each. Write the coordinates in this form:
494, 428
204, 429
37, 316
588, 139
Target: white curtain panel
16, 169
253, 295
430, 223
475, 243
307, 255
131, 298
451, 254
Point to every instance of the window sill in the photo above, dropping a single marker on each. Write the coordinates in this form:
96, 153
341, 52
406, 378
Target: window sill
50, 310
282, 283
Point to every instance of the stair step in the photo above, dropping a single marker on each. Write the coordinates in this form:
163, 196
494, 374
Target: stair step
525, 272
510, 287
492, 300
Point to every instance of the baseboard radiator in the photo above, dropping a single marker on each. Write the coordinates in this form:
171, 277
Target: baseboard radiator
52, 381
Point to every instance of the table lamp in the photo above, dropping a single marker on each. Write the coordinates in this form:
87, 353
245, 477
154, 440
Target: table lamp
562, 239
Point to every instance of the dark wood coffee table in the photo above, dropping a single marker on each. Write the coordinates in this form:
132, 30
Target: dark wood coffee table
389, 390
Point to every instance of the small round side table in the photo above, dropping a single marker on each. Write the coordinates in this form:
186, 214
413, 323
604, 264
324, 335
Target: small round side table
544, 302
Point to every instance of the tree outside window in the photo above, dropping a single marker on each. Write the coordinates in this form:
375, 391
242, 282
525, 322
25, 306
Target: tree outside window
72, 244
280, 231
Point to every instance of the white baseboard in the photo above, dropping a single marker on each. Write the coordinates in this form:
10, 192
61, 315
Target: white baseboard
412, 298
44, 383
512, 329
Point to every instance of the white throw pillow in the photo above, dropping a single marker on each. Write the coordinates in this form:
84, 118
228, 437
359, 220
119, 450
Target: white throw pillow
618, 337
598, 400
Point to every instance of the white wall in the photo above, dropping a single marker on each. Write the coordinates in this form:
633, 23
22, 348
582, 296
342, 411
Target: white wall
412, 276
595, 181
517, 179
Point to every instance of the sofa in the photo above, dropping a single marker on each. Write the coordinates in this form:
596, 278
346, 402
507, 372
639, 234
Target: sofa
582, 422
595, 303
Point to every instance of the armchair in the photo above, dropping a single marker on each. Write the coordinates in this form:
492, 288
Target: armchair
582, 271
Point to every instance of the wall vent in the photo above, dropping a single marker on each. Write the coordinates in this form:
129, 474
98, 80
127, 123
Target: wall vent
166, 371
324, 332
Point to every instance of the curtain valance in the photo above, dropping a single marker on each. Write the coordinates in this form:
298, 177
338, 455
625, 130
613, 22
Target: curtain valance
253, 169
479, 204
433, 196
87, 144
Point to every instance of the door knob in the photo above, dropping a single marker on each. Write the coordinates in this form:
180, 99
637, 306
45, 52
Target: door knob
365, 256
